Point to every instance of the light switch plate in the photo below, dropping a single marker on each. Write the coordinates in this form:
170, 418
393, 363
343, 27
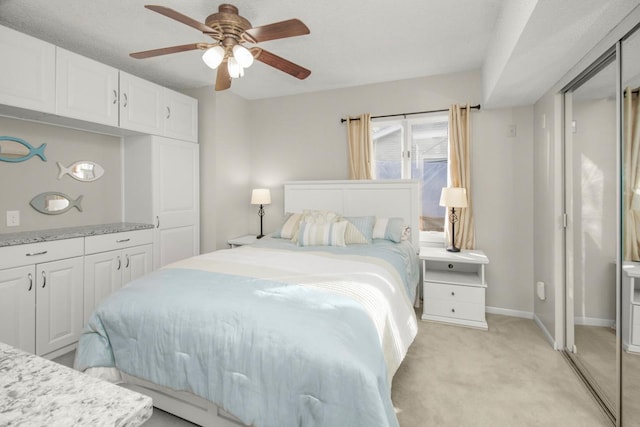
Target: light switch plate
13, 218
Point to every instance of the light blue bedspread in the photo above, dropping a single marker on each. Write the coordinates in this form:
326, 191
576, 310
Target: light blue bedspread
272, 353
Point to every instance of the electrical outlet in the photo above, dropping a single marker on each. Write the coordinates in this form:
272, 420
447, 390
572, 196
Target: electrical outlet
13, 218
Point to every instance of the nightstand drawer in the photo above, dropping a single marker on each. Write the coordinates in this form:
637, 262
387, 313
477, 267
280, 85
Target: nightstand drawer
443, 291
453, 309
635, 333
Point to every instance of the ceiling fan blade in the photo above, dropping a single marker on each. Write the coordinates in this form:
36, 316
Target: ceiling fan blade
165, 51
278, 30
280, 63
223, 79
170, 13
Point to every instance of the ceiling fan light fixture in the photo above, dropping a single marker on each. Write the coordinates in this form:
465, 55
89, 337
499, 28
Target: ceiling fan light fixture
213, 56
243, 56
235, 70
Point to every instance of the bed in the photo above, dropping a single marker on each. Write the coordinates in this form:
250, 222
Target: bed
281, 333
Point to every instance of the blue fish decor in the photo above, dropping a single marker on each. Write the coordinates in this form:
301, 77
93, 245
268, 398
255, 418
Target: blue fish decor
14, 150
53, 203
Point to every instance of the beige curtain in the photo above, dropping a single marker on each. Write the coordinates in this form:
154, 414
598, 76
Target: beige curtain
631, 136
459, 169
360, 147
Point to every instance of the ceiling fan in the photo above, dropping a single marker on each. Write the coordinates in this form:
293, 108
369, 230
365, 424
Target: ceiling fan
230, 31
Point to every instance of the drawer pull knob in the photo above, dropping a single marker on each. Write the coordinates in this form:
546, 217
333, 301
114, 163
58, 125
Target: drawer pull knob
453, 294
453, 310
450, 266
37, 253
122, 240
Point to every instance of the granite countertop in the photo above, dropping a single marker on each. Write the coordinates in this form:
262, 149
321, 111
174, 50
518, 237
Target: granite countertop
38, 392
24, 237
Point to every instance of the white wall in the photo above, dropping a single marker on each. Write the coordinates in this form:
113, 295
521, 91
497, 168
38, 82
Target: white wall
21, 181
263, 143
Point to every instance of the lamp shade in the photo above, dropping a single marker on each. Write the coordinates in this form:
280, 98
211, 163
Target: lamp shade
213, 56
242, 55
261, 196
453, 197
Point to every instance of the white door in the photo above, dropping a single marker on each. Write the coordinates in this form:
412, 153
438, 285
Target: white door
86, 89
58, 304
138, 261
27, 76
176, 191
102, 276
17, 307
181, 116
141, 105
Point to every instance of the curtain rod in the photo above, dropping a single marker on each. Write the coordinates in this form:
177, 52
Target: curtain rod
474, 107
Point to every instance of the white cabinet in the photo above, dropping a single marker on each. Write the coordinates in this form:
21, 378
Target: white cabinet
27, 74
163, 189
18, 307
41, 295
153, 109
112, 261
86, 89
454, 286
631, 307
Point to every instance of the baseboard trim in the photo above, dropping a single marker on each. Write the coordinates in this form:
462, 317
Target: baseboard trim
509, 312
594, 321
546, 333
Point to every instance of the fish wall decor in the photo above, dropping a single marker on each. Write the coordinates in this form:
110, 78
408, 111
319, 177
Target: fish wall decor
83, 170
54, 203
14, 150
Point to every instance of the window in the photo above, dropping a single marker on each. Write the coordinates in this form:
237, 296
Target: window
416, 149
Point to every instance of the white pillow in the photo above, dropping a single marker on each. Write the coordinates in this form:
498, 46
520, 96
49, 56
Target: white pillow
319, 216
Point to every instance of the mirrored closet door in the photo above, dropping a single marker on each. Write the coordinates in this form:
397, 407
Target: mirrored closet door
592, 243
630, 290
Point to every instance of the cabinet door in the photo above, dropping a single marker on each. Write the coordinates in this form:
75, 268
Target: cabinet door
102, 276
176, 203
141, 105
27, 74
86, 89
137, 262
59, 304
181, 116
17, 307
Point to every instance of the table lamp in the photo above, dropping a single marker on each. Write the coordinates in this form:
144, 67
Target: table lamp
261, 196
453, 197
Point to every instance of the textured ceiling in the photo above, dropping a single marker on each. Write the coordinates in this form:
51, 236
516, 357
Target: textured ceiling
522, 46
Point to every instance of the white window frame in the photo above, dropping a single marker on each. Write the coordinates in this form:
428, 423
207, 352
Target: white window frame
427, 238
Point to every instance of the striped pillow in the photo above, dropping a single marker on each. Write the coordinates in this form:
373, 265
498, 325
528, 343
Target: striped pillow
359, 229
331, 234
389, 229
289, 227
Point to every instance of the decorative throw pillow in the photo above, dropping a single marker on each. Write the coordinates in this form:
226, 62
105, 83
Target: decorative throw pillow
389, 229
359, 229
331, 234
319, 216
289, 227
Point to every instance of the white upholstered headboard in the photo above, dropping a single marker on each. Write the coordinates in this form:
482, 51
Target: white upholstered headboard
384, 199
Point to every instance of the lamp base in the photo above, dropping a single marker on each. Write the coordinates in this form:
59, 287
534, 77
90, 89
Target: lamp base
260, 236
453, 249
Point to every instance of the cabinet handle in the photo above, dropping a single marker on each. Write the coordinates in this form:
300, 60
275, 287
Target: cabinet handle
127, 266
115, 97
453, 310
168, 112
37, 253
453, 294
30, 282
119, 263
122, 240
44, 281
450, 266
126, 99
158, 220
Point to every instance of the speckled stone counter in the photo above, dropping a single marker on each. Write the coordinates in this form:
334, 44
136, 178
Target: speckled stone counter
38, 392
24, 237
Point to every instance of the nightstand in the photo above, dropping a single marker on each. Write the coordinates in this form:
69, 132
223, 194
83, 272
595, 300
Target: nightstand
242, 240
454, 286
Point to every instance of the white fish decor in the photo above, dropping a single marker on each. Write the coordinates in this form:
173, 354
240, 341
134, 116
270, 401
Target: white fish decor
83, 170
